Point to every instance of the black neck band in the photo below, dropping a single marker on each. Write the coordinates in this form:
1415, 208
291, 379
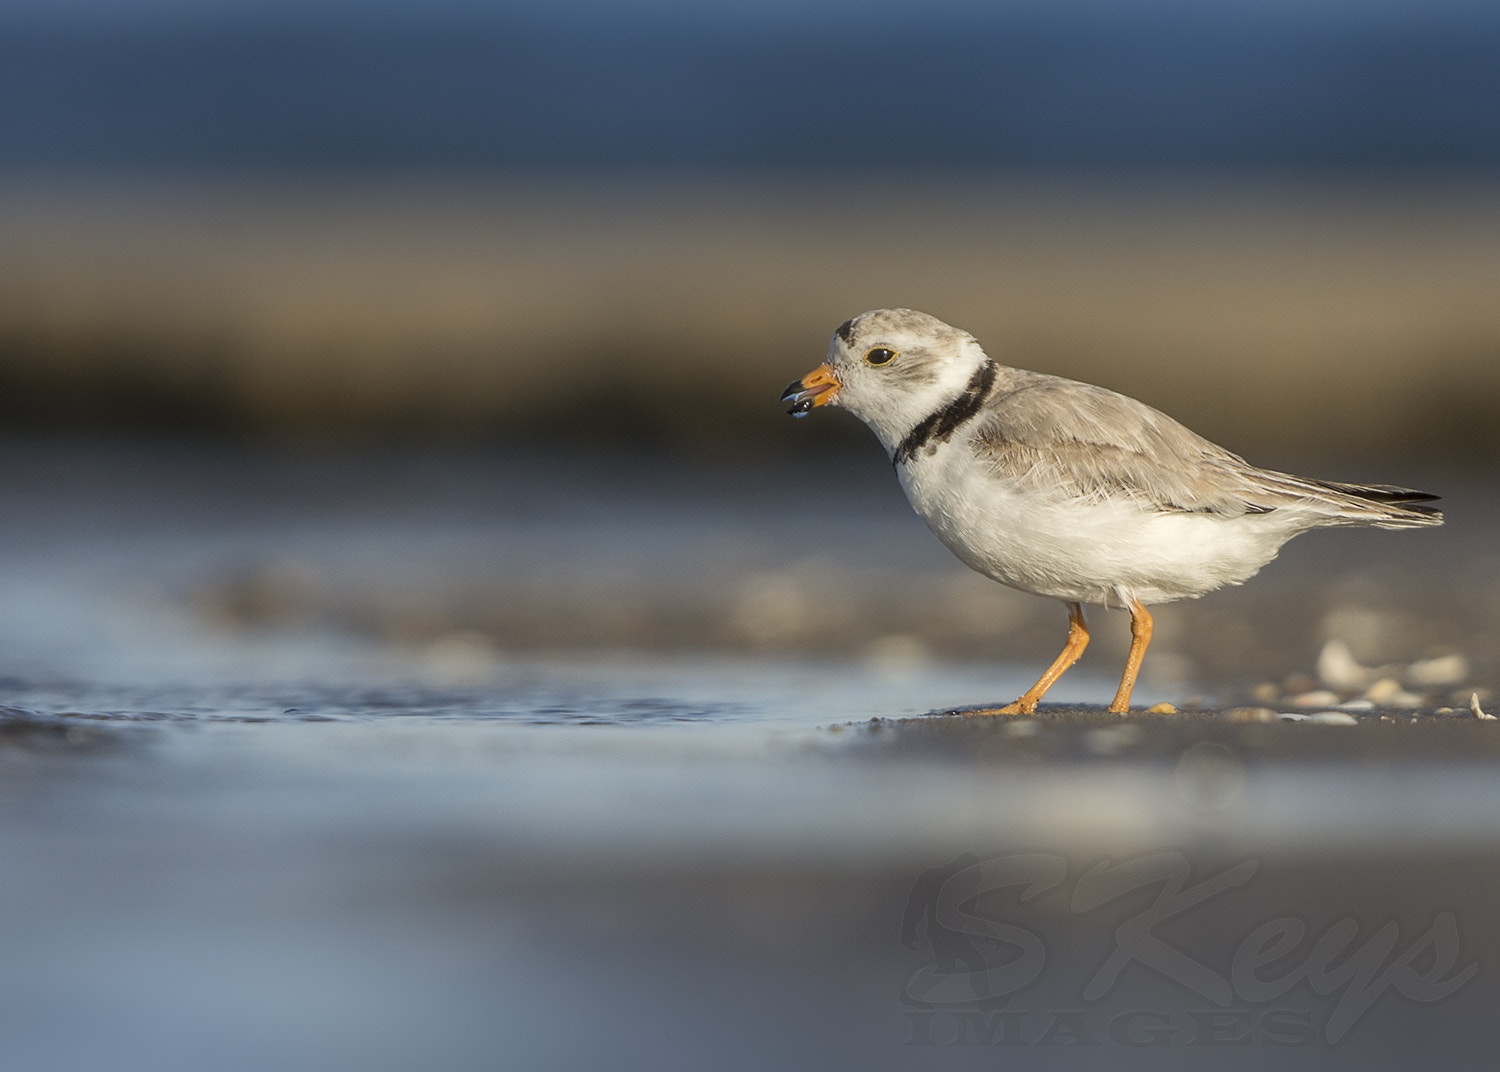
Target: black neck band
938, 427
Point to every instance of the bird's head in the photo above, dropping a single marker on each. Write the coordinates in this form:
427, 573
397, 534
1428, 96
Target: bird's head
891, 368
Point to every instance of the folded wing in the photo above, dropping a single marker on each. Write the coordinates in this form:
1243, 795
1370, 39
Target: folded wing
1091, 443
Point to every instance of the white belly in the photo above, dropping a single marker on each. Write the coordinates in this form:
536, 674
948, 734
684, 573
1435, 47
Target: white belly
1092, 551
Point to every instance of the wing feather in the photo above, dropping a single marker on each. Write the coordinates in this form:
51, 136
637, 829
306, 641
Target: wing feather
1092, 443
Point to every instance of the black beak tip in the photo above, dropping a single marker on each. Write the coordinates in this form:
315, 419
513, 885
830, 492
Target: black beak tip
792, 390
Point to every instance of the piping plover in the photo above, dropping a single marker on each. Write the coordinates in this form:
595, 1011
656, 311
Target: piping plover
1070, 491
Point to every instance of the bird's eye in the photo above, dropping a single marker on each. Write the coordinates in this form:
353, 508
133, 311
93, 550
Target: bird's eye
880, 356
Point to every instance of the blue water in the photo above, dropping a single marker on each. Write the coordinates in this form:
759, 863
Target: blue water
878, 95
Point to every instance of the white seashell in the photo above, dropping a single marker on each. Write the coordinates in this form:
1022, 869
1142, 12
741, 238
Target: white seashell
1445, 671
1339, 670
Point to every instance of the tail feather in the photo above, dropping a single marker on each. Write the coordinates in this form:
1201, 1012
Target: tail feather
1390, 506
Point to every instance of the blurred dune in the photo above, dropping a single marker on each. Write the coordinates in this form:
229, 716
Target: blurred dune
1286, 321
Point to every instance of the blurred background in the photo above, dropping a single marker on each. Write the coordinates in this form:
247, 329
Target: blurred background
632, 222
419, 620
498, 236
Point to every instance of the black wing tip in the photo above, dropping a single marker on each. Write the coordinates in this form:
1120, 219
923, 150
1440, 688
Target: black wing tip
1387, 494
1402, 495
1401, 502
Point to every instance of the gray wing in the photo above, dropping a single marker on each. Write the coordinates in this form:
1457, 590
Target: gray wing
1090, 442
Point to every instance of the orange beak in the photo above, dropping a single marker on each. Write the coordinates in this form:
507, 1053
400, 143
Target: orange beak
817, 388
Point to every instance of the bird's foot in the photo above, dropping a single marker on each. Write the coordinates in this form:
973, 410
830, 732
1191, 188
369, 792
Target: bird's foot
1020, 707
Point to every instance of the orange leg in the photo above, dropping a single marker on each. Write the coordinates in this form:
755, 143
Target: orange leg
1078, 639
1140, 637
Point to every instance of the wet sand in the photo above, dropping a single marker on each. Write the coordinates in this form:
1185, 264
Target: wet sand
365, 894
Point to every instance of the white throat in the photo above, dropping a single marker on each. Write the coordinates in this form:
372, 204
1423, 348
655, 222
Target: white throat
895, 415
